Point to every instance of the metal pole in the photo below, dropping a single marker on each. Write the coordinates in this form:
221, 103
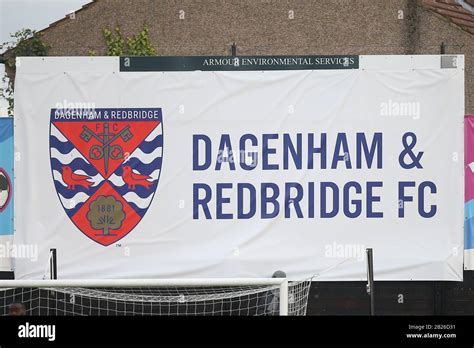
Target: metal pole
284, 297
53, 265
370, 279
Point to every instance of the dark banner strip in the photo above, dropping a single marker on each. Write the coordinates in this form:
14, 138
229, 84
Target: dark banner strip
241, 63
416, 331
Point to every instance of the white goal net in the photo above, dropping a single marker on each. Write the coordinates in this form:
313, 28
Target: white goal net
247, 297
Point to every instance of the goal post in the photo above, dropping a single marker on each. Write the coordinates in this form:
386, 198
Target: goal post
212, 296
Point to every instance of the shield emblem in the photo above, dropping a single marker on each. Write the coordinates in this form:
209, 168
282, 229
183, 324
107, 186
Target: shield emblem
106, 165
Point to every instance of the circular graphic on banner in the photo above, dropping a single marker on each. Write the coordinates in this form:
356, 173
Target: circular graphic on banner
5, 189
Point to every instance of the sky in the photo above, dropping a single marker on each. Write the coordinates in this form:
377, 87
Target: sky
31, 14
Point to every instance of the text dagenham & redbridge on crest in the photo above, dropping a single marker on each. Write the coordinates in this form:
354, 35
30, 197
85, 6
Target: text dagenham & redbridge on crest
101, 114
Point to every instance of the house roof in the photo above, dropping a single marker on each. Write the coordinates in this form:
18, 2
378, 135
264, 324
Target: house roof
455, 12
452, 10
67, 17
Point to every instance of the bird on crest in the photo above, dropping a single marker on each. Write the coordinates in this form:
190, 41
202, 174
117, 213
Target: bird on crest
72, 180
133, 179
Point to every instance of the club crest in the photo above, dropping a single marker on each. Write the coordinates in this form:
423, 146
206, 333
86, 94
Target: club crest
106, 166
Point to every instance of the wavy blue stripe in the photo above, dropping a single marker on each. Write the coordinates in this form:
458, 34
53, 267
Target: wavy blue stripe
141, 191
160, 133
64, 148
71, 212
66, 193
144, 169
139, 211
150, 146
76, 164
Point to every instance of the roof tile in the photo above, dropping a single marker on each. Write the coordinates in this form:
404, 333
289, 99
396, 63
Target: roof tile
454, 12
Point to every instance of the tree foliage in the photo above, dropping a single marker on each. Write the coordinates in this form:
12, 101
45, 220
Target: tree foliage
106, 213
137, 45
23, 43
27, 42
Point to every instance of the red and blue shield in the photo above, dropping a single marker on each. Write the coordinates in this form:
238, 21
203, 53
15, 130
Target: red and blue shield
106, 166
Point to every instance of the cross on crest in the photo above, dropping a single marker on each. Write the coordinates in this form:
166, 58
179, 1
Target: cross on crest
106, 150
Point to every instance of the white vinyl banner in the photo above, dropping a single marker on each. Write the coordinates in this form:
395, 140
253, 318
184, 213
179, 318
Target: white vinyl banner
238, 173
